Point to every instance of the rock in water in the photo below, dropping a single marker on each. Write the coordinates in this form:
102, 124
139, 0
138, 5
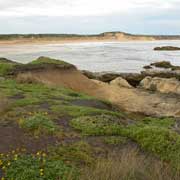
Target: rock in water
167, 48
162, 64
120, 82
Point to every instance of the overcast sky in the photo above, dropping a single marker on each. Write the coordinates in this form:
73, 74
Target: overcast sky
90, 16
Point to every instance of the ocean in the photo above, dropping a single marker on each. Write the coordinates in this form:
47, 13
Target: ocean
97, 56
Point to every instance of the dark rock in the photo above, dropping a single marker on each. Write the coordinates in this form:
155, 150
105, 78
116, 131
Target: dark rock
162, 64
89, 74
147, 67
107, 77
167, 48
132, 78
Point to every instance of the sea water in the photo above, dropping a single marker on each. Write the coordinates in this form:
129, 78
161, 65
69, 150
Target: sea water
97, 56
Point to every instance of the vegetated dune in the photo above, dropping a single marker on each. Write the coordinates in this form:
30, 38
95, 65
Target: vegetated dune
61, 38
130, 99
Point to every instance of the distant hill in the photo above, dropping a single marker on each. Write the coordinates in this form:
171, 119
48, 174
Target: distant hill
109, 36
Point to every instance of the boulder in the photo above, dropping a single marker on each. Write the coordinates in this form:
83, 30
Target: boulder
120, 82
147, 67
163, 85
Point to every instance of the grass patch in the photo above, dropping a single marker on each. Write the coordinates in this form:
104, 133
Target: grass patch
6, 66
38, 123
78, 111
98, 125
115, 140
160, 141
128, 164
47, 60
159, 122
79, 153
11, 88
155, 135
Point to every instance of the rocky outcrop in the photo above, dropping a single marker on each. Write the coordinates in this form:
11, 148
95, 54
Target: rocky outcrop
163, 73
120, 82
167, 48
132, 78
162, 85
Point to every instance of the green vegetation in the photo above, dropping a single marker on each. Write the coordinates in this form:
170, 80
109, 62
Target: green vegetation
78, 133
80, 153
98, 125
39, 124
78, 111
160, 141
37, 166
158, 122
47, 60
115, 140
5, 66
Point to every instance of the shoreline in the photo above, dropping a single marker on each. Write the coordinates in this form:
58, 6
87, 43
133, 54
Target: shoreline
42, 42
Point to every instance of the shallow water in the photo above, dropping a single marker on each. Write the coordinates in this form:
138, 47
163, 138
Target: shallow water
100, 56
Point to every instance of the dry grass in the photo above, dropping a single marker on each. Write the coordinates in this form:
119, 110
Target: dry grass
129, 165
4, 104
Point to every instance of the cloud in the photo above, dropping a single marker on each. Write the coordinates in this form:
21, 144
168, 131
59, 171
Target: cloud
90, 16
79, 7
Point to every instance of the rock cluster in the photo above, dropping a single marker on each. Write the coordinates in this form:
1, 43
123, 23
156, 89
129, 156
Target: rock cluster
163, 85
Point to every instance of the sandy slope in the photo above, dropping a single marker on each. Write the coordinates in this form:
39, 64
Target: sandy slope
133, 100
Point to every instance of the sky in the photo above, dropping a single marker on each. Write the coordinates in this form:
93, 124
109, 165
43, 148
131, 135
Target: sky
90, 16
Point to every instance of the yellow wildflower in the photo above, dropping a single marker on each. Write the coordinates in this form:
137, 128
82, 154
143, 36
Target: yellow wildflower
44, 155
38, 153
